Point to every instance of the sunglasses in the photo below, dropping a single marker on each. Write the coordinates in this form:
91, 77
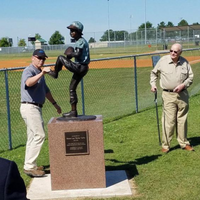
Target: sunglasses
173, 51
40, 58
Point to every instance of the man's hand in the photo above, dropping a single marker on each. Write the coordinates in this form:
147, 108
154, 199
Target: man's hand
46, 70
153, 88
179, 88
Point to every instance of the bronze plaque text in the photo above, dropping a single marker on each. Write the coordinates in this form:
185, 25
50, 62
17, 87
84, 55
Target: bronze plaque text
76, 143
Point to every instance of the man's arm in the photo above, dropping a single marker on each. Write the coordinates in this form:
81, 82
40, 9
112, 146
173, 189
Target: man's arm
34, 79
154, 76
187, 82
153, 79
51, 99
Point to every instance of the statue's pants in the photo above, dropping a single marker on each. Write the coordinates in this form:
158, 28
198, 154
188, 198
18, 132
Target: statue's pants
78, 70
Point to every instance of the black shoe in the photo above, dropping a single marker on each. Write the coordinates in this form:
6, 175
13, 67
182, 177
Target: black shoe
53, 74
70, 114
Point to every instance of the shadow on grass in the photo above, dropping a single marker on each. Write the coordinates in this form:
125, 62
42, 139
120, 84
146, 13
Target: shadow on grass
195, 141
130, 167
17, 147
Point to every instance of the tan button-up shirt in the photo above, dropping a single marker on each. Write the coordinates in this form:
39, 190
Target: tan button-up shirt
171, 74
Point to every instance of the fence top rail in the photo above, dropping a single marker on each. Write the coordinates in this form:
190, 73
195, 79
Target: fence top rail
143, 54
110, 58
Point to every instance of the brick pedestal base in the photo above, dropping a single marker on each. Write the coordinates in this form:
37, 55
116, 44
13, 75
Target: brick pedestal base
76, 161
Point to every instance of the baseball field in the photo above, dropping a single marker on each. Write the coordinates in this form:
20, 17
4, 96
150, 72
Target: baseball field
119, 63
131, 140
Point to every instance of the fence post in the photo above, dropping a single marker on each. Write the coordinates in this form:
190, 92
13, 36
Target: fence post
136, 93
83, 97
8, 109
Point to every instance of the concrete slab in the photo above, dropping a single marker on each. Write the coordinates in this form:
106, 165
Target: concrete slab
117, 184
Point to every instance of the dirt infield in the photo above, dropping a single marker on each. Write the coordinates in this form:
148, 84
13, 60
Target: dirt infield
118, 63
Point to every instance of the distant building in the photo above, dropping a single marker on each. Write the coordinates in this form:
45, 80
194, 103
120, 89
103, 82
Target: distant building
39, 42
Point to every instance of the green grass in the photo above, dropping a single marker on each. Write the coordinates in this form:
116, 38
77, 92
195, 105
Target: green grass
97, 53
109, 92
131, 140
131, 144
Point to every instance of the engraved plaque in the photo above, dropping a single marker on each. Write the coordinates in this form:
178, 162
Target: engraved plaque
76, 143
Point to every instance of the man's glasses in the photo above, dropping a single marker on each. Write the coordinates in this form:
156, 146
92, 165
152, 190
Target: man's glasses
40, 58
173, 51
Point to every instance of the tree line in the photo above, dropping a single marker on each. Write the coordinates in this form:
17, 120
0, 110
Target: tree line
108, 35
56, 38
139, 33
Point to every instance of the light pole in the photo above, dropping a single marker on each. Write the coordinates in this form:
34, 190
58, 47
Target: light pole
145, 29
108, 23
29, 40
17, 41
131, 16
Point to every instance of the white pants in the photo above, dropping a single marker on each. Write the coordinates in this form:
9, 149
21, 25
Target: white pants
32, 116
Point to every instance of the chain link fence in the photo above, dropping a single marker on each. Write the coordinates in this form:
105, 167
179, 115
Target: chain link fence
114, 87
101, 42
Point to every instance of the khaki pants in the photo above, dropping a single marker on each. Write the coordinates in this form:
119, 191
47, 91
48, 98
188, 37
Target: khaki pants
175, 111
32, 116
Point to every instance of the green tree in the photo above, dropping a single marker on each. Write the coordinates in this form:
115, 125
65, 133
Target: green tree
91, 40
148, 25
37, 36
150, 30
22, 43
169, 24
121, 35
114, 35
183, 22
104, 37
161, 25
56, 38
4, 42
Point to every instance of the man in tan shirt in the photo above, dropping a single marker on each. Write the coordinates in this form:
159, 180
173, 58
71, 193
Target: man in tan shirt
175, 77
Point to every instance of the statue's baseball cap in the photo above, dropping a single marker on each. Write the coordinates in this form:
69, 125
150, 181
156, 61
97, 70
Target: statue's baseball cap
77, 26
40, 53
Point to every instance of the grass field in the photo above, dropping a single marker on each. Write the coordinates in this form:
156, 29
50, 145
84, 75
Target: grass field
104, 89
132, 138
131, 144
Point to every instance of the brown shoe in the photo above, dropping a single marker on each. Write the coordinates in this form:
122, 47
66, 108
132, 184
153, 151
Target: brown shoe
188, 148
34, 173
165, 150
40, 168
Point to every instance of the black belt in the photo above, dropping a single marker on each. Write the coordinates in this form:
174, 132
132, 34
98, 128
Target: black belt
168, 90
36, 104
171, 90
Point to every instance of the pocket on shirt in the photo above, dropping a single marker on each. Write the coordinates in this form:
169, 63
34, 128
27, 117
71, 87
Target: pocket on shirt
183, 74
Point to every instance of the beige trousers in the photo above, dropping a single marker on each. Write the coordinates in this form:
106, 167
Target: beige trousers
174, 116
32, 116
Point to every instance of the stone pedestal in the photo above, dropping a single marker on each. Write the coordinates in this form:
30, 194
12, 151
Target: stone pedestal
76, 154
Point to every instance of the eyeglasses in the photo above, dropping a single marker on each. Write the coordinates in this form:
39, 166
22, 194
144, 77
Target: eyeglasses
40, 58
173, 51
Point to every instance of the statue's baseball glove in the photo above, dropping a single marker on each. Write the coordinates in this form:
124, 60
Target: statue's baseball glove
68, 52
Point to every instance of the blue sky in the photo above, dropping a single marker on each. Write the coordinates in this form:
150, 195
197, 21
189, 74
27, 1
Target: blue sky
25, 18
